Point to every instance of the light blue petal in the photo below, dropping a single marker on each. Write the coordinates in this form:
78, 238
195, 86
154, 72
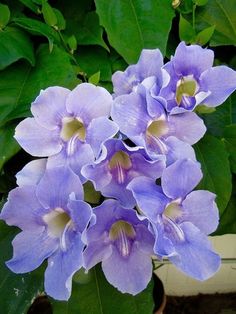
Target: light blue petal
80, 213
180, 178
30, 249
221, 82
178, 150
61, 268
195, 256
32, 172
37, 140
200, 208
50, 107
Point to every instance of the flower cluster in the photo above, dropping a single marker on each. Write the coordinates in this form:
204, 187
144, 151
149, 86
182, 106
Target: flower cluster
136, 149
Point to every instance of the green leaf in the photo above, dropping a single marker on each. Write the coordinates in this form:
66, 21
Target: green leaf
38, 28
90, 194
230, 141
4, 15
8, 145
222, 116
48, 14
186, 31
72, 42
29, 4
94, 60
98, 296
134, 25
17, 290
20, 84
220, 13
89, 32
228, 219
200, 2
95, 78
61, 23
205, 35
213, 157
14, 45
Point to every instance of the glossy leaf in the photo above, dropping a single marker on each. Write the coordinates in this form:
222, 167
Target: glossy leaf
19, 85
48, 14
38, 28
220, 13
32, 6
89, 32
230, 141
186, 31
134, 25
205, 35
17, 291
93, 60
90, 194
212, 155
61, 22
4, 15
228, 219
98, 296
95, 78
14, 45
8, 145
223, 115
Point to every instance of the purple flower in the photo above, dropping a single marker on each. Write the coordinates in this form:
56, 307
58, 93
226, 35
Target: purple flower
117, 166
52, 217
148, 66
144, 120
180, 219
68, 125
193, 80
124, 245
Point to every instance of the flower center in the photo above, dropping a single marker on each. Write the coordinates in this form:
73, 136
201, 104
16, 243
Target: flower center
123, 234
72, 127
173, 210
120, 163
186, 86
157, 128
57, 221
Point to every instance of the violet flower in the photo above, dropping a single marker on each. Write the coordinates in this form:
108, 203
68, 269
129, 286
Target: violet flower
52, 217
68, 125
124, 245
193, 80
144, 120
180, 219
117, 165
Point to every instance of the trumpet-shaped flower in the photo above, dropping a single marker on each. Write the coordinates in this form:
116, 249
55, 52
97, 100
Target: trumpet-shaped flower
148, 66
144, 120
68, 125
193, 80
52, 217
180, 218
117, 166
124, 245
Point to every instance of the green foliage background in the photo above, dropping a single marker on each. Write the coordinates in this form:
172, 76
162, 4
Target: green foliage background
45, 43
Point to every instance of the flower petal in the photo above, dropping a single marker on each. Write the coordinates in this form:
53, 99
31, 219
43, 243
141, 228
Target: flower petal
37, 140
200, 208
192, 59
95, 252
149, 197
88, 102
30, 249
80, 213
56, 185
221, 82
61, 268
50, 107
195, 256
98, 131
32, 172
187, 127
180, 178
20, 209
129, 112
131, 274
